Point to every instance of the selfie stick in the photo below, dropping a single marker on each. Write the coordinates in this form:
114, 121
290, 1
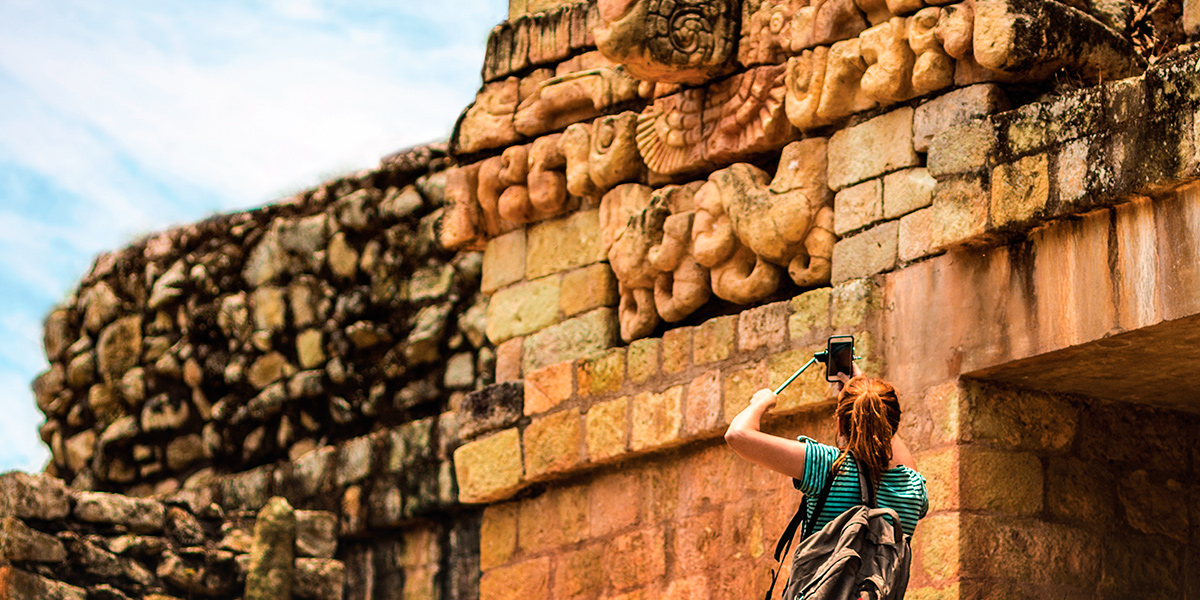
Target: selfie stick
818, 356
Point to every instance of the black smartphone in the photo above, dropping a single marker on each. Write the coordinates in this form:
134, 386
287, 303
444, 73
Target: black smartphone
839, 357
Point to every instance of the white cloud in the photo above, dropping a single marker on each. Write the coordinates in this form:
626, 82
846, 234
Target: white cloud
119, 118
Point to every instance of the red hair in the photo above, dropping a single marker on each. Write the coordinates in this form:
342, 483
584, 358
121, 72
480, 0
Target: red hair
868, 415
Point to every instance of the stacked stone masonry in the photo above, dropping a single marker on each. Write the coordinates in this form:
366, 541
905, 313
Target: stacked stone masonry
62, 544
501, 368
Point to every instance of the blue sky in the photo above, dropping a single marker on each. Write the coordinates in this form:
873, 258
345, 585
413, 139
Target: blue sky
125, 117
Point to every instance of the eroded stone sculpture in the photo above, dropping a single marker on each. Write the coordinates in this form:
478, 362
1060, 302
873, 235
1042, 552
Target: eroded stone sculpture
674, 41
601, 154
559, 101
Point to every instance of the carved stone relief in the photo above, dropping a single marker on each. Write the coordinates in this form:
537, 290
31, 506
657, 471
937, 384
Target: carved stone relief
673, 41
734, 235
562, 100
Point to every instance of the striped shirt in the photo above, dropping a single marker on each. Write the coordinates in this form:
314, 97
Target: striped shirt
901, 489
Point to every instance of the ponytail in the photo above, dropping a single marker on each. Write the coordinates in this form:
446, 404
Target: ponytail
868, 415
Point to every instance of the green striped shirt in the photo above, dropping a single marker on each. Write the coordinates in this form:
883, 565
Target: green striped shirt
901, 488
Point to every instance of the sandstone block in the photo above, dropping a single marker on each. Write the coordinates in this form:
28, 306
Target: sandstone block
139, 515
309, 348
808, 389
17, 584
916, 237
548, 387
522, 309
488, 122
268, 307
80, 449
270, 575
576, 573
41, 497
642, 360
615, 501
1074, 174
1029, 550
868, 253
713, 340
906, 191
20, 543
810, 314
1020, 191
503, 261
938, 549
858, 206
1020, 419
763, 326
872, 148
960, 212
702, 404
964, 148
497, 535
1078, 492
492, 408
566, 243
601, 373
1155, 507
955, 108
637, 558
553, 443
574, 338
606, 424
527, 580
508, 360
739, 386
676, 349
119, 348
343, 258
588, 287
489, 468
853, 302
657, 419
1191, 16
184, 451
1002, 482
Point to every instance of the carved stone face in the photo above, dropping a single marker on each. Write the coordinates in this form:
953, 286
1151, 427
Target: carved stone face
673, 41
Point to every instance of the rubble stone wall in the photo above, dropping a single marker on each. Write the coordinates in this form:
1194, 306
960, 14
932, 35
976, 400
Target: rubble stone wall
64, 544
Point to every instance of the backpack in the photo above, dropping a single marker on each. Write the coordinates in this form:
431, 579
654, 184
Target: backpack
857, 555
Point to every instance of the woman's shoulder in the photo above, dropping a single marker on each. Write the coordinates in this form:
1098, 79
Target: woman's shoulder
903, 475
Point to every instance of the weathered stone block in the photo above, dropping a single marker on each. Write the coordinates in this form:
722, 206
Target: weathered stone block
16, 584
492, 408
1029, 550
763, 326
858, 206
960, 212
566, 243
964, 148
1020, 191
702, 404
503, 261
906, 191
319, 579
576, 575
497, 535
489, 468
522, 309
872, 148
270, 575
139, 515
553, 443
119, 347
808, 389
1020, 419
601, 373
316, 534
508, 360
713, 339
916, 237
1076, 491
637, 558
1155, 507
641, 363
740, 386
657, 419
1074, 171
527, 580
998, 481
574, 338
870, 252
853, 302
955, 108
548, 387
676, 349
588, 287
938, 548
20, 543
606, 426
810, 314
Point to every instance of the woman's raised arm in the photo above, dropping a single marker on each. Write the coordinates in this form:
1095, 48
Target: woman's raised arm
746, 438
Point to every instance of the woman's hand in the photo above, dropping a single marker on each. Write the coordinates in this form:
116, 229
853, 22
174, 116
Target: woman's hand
764, 400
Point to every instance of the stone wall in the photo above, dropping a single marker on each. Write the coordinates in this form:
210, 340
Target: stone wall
62, 544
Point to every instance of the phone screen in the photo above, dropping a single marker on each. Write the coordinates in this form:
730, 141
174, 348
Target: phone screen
840, 358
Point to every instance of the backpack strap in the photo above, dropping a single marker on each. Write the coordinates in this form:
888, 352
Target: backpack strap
785, 541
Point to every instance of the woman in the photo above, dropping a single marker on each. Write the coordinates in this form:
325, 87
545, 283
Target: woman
867, 415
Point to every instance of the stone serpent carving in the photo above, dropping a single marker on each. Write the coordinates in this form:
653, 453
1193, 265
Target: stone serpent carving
674, 41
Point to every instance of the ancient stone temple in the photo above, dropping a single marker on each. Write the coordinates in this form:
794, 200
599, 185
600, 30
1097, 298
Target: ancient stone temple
501, 368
